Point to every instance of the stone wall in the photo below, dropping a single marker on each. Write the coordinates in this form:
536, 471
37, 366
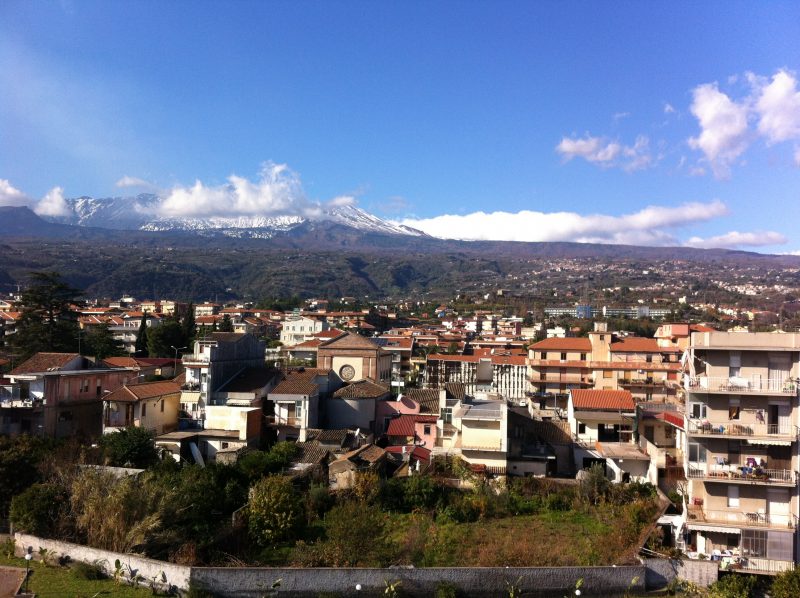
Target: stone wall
660, 572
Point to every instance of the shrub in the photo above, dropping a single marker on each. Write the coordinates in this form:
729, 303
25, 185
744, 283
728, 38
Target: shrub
734, 586
130, 447
420, 492
445, 589
355, 534
37, 510
273, 509
88, 571
786, 585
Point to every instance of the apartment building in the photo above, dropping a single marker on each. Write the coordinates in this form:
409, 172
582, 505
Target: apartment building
502, 374
298, 329
742, 448
603, 361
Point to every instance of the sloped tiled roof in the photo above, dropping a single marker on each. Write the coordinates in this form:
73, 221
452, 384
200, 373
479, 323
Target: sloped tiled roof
563, 344
311, 452
349, 340
369, 453
362, 389
296, 383
228, 337
420, 453
249, 380
426, 398
602, 400
139, 392
404, 424
456, 389
44, 362
636, 344
121, 362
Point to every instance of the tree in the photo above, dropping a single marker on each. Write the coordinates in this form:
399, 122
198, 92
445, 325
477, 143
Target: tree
355, 533
189, 325
274, 510
161, 339
226, 325
45, 324
100, 343
786, 585
130, 447
20, 458
141, 338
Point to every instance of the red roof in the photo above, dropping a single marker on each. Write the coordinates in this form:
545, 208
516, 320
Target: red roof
671, 418
602, 400
404, 425
637, 344
420, 453
563, 344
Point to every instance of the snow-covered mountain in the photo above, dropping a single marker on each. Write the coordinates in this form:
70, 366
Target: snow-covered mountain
141, 213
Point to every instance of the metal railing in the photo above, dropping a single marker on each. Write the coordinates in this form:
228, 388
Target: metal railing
756, 476
739, 384
761, 565
730, 428
742, 518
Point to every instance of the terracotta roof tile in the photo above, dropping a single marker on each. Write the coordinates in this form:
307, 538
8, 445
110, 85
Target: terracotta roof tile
602, 400
44, 362
563, 344
363, 389
426, 398
139, 392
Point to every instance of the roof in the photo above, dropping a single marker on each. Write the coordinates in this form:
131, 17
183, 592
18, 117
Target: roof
369, 453
637, 344
420, 453
228, 337
249, 380
563, 344
140, 392
44, 362
362, 389
328, 437
404, 424
621, 450
311, 452
349, 340
332, 333
426, 398
456, 389
121, 362
297, 382
671, 418
602, 400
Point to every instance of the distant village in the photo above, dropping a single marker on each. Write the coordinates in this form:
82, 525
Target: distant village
707, 416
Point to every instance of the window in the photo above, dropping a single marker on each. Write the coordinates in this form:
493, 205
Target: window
697, 452
583, 356
426, 430
734, 451
734, 363
162, 405
602, 337
733, 408
649, 359
563, 357
608, 374
224, 445
668, 432
698, 410
581, 428
544, 354
144, 409
447, 415
733, 496
298, 409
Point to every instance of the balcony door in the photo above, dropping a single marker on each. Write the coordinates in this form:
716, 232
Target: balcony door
778, 505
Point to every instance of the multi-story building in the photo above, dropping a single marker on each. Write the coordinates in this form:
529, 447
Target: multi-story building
354, 357
502, 374
603, 361
298, 329
742, 448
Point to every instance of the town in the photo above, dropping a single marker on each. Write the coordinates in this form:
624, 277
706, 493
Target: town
391, 405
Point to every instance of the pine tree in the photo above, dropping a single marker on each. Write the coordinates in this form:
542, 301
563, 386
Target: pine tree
141, 338
189, 326
226, 325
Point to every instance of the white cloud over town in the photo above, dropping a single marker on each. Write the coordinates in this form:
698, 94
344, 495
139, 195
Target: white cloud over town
11, 196
607, 153
736, 239
653, 225
52, 204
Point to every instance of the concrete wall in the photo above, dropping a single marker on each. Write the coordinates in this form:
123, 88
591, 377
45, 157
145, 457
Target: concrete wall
477, 581
662, 571
177, 575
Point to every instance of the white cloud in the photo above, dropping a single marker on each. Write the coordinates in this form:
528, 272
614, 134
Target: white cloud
645, 227
606, 153
52, 204
342, 201
278, 191
778, 108
723, 124
132, 181
669, 108
620, 115
735, 239
10, 196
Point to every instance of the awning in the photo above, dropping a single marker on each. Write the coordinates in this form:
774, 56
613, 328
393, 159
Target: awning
713, 528
769, 442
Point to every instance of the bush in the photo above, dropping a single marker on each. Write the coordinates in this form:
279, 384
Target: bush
37, 510
445, 589
130, 447
786, 585
734, 586
274, 510
355, 533
421, 492
87, 571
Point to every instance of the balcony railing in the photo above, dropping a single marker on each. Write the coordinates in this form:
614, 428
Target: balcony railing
699, 427
742, 518
482, 446
664, 456
727, 473
560, 379
195, 358
757, 564
276, 420
739, 385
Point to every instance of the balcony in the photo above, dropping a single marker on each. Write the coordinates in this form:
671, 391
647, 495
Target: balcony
697, 515
277, 420
743, 475
200, 359
728, 429
483, 445
559, 379
741, 385
759, 565
663, 456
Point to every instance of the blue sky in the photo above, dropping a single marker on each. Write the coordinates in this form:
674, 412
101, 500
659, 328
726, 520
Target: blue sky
652, 123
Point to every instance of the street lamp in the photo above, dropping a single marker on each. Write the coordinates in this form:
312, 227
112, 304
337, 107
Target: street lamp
175, 363
28, 557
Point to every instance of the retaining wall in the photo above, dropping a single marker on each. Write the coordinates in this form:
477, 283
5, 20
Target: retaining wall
470, 581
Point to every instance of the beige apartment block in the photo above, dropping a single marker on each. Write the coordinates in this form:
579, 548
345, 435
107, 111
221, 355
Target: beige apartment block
742, 449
